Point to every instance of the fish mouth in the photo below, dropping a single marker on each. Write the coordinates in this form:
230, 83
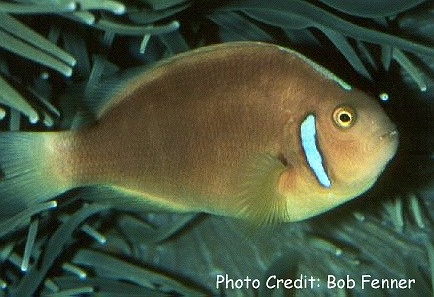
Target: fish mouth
391, 140
392, 134
388, 139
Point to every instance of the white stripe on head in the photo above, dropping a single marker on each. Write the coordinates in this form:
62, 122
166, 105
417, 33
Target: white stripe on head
311, 152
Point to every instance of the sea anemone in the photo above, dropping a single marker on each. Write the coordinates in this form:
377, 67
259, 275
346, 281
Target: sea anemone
52, 53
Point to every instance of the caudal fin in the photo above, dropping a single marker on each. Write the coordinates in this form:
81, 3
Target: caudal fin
26, 172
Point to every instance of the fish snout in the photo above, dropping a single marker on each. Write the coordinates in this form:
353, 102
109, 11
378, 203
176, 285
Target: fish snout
390, 139
391, 135
383, 138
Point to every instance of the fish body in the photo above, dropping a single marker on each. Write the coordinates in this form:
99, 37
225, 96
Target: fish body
243, 129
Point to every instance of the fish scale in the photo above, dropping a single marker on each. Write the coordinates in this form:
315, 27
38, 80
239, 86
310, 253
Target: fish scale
217, 130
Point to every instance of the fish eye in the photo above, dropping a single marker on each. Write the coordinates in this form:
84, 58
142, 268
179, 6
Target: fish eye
344, 117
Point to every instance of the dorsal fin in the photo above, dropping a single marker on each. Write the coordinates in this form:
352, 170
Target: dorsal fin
84, 103
99, 97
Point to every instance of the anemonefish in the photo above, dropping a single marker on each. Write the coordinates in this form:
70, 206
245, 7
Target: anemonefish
244, 129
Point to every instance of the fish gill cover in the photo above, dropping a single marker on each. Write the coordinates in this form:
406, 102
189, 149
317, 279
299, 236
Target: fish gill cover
50, 51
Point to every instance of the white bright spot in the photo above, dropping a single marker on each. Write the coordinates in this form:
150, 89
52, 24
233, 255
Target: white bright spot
33, 119
2, 113
384, 96
45, 75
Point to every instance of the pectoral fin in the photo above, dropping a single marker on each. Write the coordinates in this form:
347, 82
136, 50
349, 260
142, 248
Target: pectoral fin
261, 200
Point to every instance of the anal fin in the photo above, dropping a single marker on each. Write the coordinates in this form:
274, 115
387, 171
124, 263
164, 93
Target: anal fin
122, 199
